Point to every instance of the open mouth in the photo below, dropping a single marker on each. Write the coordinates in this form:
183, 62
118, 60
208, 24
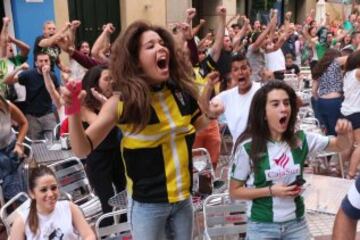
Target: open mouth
162, 63
283, 120
241, 79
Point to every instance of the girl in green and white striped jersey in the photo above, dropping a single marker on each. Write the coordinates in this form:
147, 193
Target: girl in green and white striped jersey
269, 156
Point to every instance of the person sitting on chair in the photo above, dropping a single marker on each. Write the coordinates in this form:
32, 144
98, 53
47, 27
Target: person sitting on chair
48, 218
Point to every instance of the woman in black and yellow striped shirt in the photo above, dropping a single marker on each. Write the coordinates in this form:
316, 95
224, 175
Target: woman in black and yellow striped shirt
158, 114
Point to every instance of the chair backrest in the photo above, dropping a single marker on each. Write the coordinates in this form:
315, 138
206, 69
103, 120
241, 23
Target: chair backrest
202, 156
118, 231
22, 201
203, 172
224, 217
72, 179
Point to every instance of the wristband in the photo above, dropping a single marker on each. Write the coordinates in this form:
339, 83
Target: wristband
19, 143
270, 191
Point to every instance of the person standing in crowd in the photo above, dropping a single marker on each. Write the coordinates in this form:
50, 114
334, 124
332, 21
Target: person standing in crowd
348, 215
45, 43
255, 54
291, 67
78, 71
47, 217
158, 115
38, 109
327, 87
11, 148
269, 161
12, 64
103, 165
237, 100
350, 107
209, 137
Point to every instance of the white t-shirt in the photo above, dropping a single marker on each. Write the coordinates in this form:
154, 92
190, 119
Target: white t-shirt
275, 61
237, 107
351, 103
55, 226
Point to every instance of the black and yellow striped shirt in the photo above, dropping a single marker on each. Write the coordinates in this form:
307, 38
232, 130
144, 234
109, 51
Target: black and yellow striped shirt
157, 159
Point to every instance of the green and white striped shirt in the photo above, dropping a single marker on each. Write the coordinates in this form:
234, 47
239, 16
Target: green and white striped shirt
278, 165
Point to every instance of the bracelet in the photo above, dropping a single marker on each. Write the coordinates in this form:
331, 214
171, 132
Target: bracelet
210, 118
19, 143
90, 142
270, 191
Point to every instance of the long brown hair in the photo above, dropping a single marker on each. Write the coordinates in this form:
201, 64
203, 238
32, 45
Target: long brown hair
258, 128
130, 80
324, 63
35, 174
353, 61
91, 80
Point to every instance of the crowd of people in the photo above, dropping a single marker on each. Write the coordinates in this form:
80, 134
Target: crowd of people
136, 107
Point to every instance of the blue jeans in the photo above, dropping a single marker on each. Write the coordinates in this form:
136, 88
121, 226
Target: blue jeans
292, 230
10, 172
329, 111
315, 106
157, 221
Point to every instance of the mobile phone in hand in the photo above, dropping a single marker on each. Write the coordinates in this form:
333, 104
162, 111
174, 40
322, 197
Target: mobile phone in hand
74, 88
299, 181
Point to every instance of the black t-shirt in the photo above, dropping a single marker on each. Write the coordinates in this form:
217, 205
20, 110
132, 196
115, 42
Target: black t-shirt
53, 51
292, 69
38, 100
224, 63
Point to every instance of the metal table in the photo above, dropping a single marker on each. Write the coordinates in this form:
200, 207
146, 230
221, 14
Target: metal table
44, 154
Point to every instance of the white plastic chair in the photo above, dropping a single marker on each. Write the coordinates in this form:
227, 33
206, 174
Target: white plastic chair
9, 218
224, 218
118, 231
72, 179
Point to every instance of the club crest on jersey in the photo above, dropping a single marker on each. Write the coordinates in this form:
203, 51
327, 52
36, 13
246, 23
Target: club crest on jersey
282, 161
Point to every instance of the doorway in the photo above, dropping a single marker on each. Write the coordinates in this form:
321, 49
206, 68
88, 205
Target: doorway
93, 15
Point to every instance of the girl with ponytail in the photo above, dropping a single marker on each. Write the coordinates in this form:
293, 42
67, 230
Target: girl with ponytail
48, 218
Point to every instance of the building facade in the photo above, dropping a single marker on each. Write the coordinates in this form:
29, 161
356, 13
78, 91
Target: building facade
28, 16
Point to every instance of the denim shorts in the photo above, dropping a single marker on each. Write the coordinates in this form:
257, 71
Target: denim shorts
158, 221
295, 230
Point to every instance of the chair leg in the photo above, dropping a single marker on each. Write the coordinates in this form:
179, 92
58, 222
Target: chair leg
341, 164
2, 199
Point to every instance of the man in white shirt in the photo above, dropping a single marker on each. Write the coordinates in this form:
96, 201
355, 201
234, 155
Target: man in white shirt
238, 99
